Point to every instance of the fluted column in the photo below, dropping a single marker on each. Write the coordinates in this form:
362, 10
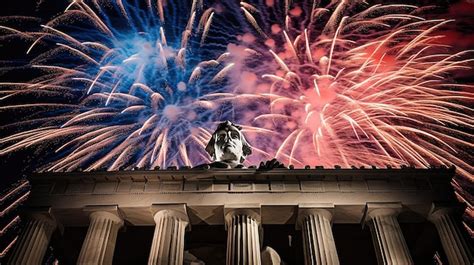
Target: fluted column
243, 242
168, 240
99, 244
318, 240
454, 244
389, 243
34, 240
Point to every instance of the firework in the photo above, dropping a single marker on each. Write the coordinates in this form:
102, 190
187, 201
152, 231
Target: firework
355, 85
138, 85
129, 78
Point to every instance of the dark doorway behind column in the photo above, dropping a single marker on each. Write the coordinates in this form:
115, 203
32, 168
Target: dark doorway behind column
286, 241
423, 242
66, 246
133, 245
208, 243
354, 244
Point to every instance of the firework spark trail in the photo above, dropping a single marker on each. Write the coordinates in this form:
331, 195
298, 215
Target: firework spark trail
350, 84
356, 85
138, 80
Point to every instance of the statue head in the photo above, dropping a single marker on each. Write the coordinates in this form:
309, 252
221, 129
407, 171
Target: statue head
228, 144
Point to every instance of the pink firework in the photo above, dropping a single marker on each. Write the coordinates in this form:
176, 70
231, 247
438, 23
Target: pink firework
356, 85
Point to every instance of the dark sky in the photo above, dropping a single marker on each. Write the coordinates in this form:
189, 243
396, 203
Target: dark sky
459, 34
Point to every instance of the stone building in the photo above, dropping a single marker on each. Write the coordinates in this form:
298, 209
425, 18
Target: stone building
244, 216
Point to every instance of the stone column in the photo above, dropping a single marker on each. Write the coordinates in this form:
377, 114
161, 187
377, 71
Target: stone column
99, 244
168, 240
34, 240
454, 245
318, 241
390, 246
243, 242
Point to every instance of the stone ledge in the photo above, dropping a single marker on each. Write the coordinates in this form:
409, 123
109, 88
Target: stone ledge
205, 192
76, 187
246, 174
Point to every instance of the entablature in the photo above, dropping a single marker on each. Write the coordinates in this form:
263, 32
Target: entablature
206, 193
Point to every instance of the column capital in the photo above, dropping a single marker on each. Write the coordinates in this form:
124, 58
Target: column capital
243, 239
111, 212
454, 244
252, 210
171, 222
439, 209
40, 213
34, 239
307, 209
99, 244
314, 220
389, 243
45, 214
176, 210
381, 209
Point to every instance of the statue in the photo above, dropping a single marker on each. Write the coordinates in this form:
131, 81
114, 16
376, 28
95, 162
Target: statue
228, 148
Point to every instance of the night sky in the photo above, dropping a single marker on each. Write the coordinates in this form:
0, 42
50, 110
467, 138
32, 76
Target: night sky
459, 34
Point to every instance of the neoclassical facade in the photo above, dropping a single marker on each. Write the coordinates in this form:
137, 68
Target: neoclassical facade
243, 201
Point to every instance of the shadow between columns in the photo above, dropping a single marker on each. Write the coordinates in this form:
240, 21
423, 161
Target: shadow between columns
133, 245
423, 242
66, 247
354, 245
207, 243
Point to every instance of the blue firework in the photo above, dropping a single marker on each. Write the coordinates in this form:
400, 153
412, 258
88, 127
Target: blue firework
131, 83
